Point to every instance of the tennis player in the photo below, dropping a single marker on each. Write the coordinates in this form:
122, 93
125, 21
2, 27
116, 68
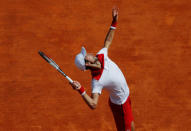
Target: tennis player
107, 75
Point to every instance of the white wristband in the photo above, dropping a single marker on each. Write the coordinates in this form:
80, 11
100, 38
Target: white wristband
83, 93
112, 27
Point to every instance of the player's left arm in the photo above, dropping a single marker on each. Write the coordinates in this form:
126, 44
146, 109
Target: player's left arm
92, 100
111, 32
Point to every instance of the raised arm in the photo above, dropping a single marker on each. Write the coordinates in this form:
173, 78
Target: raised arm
110, 34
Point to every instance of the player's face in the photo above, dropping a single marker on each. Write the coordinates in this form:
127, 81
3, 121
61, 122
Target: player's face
90, 61
89, 58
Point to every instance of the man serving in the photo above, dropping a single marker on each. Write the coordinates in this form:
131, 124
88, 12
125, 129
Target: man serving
106, 75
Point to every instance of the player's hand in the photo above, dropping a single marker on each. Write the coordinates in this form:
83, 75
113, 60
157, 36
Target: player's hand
76, 85
115, 13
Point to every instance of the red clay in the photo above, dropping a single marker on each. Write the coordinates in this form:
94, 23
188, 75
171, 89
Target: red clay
152, 46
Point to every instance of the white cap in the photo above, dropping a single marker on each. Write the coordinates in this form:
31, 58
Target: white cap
79, 60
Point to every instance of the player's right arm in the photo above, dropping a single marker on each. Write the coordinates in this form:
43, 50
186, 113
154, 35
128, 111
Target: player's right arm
92, 100
111, 32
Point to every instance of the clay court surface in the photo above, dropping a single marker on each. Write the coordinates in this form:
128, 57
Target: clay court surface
152, 46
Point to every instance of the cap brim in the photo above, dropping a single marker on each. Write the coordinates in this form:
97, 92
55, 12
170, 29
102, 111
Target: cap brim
83, 51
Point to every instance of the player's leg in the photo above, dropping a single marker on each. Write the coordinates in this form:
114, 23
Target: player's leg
128, 116
117, 111
123, 116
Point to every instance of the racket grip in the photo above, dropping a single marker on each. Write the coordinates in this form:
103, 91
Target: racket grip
70, 80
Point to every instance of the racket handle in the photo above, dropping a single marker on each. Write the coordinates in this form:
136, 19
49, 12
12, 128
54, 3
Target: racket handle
69, 79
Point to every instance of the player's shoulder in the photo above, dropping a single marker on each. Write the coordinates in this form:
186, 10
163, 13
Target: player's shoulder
103, 51
95, 82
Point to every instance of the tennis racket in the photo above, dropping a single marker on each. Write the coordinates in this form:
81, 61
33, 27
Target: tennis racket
52, 63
